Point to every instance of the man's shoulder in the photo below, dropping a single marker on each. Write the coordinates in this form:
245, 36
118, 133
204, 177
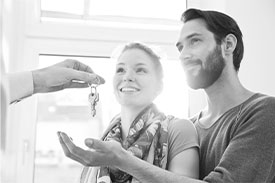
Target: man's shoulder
259, 109
260, 100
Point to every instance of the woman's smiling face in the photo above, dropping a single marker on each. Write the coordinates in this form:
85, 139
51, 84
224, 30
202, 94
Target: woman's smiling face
136, 81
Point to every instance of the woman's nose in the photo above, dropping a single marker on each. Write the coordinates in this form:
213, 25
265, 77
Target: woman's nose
129, 76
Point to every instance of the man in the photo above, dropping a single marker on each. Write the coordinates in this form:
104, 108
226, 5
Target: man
237, 127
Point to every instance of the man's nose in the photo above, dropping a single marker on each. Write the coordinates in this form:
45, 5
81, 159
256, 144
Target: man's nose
185, 55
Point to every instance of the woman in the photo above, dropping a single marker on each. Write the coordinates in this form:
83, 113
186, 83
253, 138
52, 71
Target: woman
142, 130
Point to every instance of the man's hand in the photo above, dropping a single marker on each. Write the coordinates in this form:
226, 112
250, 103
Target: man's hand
66, 74
101, 153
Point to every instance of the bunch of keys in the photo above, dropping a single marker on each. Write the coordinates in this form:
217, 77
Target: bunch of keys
93, 98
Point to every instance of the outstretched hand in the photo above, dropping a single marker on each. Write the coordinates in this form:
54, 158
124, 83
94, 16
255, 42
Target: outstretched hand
101, 153
67, 74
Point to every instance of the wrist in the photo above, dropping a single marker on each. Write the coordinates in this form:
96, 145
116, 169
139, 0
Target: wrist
123, 158
37, 81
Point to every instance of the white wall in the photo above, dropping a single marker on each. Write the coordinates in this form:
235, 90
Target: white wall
257, 21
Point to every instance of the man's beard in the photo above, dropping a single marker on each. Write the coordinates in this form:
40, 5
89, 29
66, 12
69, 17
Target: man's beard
209, 73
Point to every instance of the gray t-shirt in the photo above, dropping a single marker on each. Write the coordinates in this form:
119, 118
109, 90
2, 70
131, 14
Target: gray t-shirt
240, 145
182, 135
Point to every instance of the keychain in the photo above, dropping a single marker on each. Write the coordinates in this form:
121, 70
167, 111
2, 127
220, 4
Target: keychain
93, 97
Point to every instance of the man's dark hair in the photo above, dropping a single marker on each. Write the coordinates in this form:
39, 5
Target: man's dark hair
220, 25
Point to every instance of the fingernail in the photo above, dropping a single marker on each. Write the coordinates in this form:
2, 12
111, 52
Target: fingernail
89, 142
61, 134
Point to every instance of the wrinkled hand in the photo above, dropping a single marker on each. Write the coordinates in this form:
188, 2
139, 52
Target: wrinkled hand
64, 75
101, 153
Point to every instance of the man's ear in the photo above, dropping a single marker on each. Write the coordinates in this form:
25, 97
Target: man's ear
229, 42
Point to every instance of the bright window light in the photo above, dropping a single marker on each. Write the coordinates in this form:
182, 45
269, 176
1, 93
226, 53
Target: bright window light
159, 9
65, 6
94, 9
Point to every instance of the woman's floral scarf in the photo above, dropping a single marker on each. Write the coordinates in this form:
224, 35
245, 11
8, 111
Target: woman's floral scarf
147, 140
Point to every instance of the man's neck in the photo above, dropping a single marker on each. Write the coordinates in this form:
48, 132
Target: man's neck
224, 94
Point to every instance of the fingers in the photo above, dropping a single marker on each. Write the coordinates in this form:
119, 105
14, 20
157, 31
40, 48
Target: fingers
107, 153
76, 65
76, 84
107, 147
70, 150
79, 76
85, 157
80, 72
82, 67
100, 153
94, 143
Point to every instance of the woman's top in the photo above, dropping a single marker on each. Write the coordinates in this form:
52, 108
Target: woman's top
153, 137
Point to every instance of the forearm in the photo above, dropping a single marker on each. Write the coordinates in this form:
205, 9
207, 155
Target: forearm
148, 173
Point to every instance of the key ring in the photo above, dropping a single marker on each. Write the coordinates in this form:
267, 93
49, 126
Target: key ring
94, 85
93, 89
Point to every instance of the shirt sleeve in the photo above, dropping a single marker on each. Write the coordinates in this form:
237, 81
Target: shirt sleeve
20, 85
250, 154
181, 136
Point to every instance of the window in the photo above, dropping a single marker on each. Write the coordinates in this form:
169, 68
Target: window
85, 29
69, 111
157, 12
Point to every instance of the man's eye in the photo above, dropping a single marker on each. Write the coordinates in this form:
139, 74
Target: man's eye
194, 41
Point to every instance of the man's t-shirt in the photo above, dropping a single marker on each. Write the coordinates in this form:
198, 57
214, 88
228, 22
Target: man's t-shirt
240, 145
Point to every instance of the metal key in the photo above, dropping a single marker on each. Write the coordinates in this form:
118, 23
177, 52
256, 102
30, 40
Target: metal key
93, 99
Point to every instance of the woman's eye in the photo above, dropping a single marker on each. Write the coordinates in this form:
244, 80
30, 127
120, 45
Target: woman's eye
119, 70
141, 70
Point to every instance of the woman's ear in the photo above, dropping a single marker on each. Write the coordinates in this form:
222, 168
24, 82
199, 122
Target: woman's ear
229, 44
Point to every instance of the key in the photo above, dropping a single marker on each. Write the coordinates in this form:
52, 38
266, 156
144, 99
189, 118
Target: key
93, 99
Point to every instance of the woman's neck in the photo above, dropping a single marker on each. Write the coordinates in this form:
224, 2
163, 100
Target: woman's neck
128, 115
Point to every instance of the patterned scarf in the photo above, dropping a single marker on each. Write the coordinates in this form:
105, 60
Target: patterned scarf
147, 140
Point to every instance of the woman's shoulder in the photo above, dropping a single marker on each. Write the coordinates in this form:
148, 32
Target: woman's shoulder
182, 126
181, 122
182, 135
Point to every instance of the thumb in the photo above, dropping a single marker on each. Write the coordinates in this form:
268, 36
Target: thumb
86, 77
94, 143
